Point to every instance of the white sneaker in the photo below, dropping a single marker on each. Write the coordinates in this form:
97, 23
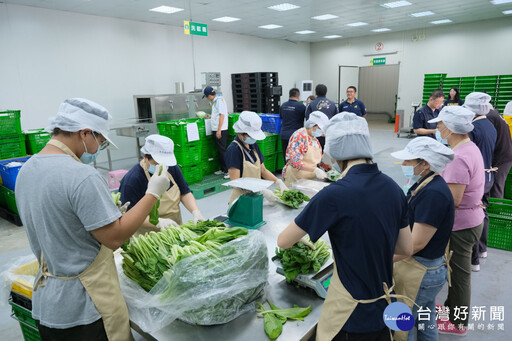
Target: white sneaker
219, 172
475, 268
226, 176
483, 254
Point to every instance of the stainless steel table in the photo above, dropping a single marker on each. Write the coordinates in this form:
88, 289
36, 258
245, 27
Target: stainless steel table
280, 293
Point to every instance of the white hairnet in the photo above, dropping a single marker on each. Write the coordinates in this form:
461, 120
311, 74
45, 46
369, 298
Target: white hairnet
317, 118
508, 109
250, 123
478, 102
428, 149
161, 148
79, 113
347, 137
457, 119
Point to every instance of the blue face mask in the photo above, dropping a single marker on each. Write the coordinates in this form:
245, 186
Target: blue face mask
250, 140
439, 138
88, 157
152, 169
318, 133
409, 174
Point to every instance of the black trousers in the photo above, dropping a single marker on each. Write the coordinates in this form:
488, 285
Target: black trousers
382, 335
284, 143
481, 244
221, 148
89, 332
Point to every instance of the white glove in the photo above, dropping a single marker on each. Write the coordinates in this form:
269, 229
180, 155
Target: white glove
124, 207
164, 223
158, 184
319, 173
308, 244
197, 216
281, 185
267, 194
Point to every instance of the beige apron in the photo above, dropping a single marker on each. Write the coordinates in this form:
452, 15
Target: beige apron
170, 200
101, 282
250, 171
339, 303
312, 157
408, 273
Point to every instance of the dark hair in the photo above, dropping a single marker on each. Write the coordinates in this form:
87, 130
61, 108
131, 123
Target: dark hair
294, 92
148, 156
321, 90
312, 97
457, 94
352, 87
436, 94
58, 131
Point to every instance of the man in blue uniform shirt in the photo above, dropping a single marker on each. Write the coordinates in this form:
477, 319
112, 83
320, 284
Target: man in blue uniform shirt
352, 104
363, 240
323, 104
292, 115
428, 112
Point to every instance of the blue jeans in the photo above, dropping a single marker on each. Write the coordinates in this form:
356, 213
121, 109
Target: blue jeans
430, 286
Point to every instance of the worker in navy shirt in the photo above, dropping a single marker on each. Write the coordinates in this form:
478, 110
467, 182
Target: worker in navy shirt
323, 104
365, 214
352, 104
502, 158
244, 158
431, 215
159, 150
428, 112
453, 98
292, 115
484, 135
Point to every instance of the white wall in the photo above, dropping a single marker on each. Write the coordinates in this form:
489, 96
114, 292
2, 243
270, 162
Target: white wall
473, 49
47, 56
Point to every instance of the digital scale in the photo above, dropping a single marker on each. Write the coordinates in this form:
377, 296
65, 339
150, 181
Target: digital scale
319, 282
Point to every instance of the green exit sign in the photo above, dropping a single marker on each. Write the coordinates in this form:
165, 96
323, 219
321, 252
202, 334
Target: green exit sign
378, 61
195, 28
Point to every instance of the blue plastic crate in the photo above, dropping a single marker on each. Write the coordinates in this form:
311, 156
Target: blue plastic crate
271, 123
9, 174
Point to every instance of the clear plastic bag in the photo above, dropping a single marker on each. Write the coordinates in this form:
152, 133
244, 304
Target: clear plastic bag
19, 270
213, 287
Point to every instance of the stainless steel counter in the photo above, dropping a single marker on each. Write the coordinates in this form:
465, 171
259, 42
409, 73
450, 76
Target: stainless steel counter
280, 293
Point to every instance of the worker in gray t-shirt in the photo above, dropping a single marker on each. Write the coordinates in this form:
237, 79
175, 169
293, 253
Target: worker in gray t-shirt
73, 225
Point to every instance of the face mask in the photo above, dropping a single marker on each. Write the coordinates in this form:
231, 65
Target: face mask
409, 174
152, 169
250, 140
440, 139
317, 133
88, 157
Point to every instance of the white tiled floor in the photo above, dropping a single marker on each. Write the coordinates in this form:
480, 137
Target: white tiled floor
490, 286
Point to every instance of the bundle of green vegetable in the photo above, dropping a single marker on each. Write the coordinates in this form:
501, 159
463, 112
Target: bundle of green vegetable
333, 175
292, 198
116, 197
300, 259
147, 257
275, 317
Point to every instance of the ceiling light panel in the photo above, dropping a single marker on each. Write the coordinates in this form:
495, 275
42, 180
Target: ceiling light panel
166, 9
270, 27
359, 23
305, 32
500, 2
422, 14
333, 36
283, 7
381, 29
507, 12
226, 19
444, 21
396, 4
325, 17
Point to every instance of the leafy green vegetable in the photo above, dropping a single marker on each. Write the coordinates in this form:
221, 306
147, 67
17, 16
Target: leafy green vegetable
116, 197
273, 326
153, 214
275, 318
300, 259
333, 175
292, 198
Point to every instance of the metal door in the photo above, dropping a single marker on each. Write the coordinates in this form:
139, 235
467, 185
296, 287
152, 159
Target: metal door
347, 76
378, 88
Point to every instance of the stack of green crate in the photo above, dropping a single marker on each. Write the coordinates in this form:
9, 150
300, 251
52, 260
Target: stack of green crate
500, 224
467, 86
504, 93
431, 82
35, 140
487, 84
268, 148
12, 141
8, 199
279, 157
232, 118
448, 83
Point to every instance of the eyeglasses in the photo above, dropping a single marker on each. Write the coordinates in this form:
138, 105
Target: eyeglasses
104, 144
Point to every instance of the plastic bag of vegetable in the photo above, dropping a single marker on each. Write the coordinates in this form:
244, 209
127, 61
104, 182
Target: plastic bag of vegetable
212, 287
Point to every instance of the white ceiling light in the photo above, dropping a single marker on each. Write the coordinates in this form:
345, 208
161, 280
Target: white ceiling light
359, 23
381, 29
270, 27
226, 19
499, 2
396, 4
332, 36
305, 32
444, 21
283, 7
507, 12
166, 9
325, 17
422, 14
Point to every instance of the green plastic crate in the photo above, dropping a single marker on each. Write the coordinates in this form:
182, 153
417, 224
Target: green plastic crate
268, 145
210, 166
27, 323
35, 140
279, 145
208, 149
270, 162
192, 174
500, 224
8, 199
232, 118
10, 123
280, 161
188, 154
12, 147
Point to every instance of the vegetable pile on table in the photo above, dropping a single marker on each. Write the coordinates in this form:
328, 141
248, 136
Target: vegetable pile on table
274, 318
292, 198
201, 273
300, 259
333, 175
